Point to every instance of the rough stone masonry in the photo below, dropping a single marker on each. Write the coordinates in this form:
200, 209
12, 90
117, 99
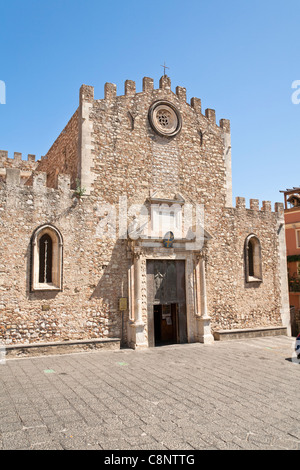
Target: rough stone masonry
69, 269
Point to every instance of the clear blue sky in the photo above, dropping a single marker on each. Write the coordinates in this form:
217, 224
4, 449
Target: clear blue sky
239, 57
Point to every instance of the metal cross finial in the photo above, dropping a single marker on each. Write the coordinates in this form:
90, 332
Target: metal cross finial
165, 67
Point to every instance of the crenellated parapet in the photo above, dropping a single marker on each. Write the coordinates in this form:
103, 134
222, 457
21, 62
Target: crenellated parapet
36, 184
110, 94
17, 161
254, 206
25, 167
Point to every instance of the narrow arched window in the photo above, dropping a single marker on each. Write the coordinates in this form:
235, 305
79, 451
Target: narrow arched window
46, 259
250, 258
253, 262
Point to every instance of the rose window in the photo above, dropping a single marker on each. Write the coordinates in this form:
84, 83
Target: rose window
165, 118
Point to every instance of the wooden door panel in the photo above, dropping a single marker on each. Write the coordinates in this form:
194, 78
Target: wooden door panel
166, 286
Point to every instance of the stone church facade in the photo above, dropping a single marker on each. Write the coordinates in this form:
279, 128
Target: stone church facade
126, 229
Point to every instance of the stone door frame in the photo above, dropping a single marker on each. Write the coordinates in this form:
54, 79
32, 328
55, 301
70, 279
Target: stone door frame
198, 320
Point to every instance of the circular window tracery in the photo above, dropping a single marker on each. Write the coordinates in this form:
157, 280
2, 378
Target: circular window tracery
164, 118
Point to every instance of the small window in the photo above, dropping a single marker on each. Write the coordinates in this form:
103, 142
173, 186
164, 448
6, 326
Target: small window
253, 265
46, 259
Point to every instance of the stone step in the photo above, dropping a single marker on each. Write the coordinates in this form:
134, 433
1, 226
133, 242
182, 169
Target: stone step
223, 335
62, 347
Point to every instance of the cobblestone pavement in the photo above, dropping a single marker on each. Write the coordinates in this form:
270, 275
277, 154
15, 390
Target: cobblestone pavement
229, 395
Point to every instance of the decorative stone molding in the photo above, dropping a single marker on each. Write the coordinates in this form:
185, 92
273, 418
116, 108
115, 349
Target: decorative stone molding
56, 259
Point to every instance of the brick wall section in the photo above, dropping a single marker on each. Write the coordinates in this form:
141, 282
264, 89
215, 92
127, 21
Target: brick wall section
62, 157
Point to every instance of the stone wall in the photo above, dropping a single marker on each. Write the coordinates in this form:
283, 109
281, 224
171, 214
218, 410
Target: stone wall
85, 308
62, 157
128, 155
111, 146
130, 159
232, 302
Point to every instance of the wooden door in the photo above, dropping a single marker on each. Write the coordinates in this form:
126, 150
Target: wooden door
166, 286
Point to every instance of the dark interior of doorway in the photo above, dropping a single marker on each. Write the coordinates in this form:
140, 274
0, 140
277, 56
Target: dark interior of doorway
165, 324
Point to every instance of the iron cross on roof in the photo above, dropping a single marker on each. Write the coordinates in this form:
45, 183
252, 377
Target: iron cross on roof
165, 67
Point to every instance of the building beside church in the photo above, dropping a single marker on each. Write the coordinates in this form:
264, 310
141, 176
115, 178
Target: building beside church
292, 231
126, 229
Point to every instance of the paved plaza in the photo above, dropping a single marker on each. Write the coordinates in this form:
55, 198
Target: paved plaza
242, 394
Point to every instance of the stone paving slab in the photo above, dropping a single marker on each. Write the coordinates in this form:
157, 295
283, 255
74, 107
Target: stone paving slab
241, 394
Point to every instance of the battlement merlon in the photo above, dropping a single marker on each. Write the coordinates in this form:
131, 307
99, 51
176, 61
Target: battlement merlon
86, 93
225, 125
130, 88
